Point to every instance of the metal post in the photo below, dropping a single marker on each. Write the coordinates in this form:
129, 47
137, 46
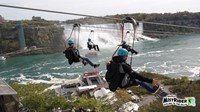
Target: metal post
20, 31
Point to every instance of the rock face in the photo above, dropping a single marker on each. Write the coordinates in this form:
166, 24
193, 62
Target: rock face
49, 38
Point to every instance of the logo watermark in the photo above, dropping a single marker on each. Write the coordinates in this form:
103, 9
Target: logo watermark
173, 100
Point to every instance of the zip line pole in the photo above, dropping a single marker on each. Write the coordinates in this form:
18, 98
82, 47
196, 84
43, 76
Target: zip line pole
134, 36
134, 23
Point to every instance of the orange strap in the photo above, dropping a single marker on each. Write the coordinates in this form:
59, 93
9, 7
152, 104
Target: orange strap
69, 37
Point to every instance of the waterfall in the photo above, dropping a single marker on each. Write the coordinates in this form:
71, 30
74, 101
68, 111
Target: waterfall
105, 35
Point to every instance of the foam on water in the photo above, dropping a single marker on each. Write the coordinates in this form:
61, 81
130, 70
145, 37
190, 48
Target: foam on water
195, 71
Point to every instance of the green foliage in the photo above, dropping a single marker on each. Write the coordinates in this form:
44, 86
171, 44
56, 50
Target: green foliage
154, 75
44, 102
198, 82
34, 102
28, 23
140, 91
178, 81
170, 82
29, 89
123, 95
88, 103
31, 96
8, 25
185, 80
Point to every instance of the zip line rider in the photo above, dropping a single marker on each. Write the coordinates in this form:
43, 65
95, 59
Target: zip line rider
91, 45
72, 54
128, 47
120, 74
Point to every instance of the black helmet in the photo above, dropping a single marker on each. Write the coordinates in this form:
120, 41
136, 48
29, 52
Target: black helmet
123, 42
89, 39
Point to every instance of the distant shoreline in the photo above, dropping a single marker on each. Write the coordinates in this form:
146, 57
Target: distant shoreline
29, 51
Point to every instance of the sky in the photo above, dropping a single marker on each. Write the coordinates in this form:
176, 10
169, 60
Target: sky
93, 7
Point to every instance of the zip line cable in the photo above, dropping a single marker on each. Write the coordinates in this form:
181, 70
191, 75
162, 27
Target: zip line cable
170, 25
58, 12
68, 13
100, 28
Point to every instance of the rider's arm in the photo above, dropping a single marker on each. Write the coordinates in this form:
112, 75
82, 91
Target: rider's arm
127, 68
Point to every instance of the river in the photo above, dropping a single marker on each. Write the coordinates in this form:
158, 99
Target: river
173, 56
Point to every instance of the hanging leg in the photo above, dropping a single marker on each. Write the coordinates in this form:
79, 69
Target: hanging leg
94, 46
97, 47
147, 86
90, 62
84, 62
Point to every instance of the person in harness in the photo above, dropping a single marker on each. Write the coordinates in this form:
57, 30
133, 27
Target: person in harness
72, 54
120, 74
91, 45
128, 47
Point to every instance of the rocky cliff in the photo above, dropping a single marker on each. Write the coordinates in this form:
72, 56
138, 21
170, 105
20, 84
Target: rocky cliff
48, 38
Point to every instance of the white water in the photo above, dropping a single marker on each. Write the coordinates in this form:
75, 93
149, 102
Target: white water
105, 35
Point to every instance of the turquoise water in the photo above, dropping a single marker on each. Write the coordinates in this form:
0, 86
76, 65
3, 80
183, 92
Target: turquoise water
172, 56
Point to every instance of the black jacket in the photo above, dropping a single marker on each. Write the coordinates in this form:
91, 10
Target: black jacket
114, 75
72, 54
90, 46
127, 47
